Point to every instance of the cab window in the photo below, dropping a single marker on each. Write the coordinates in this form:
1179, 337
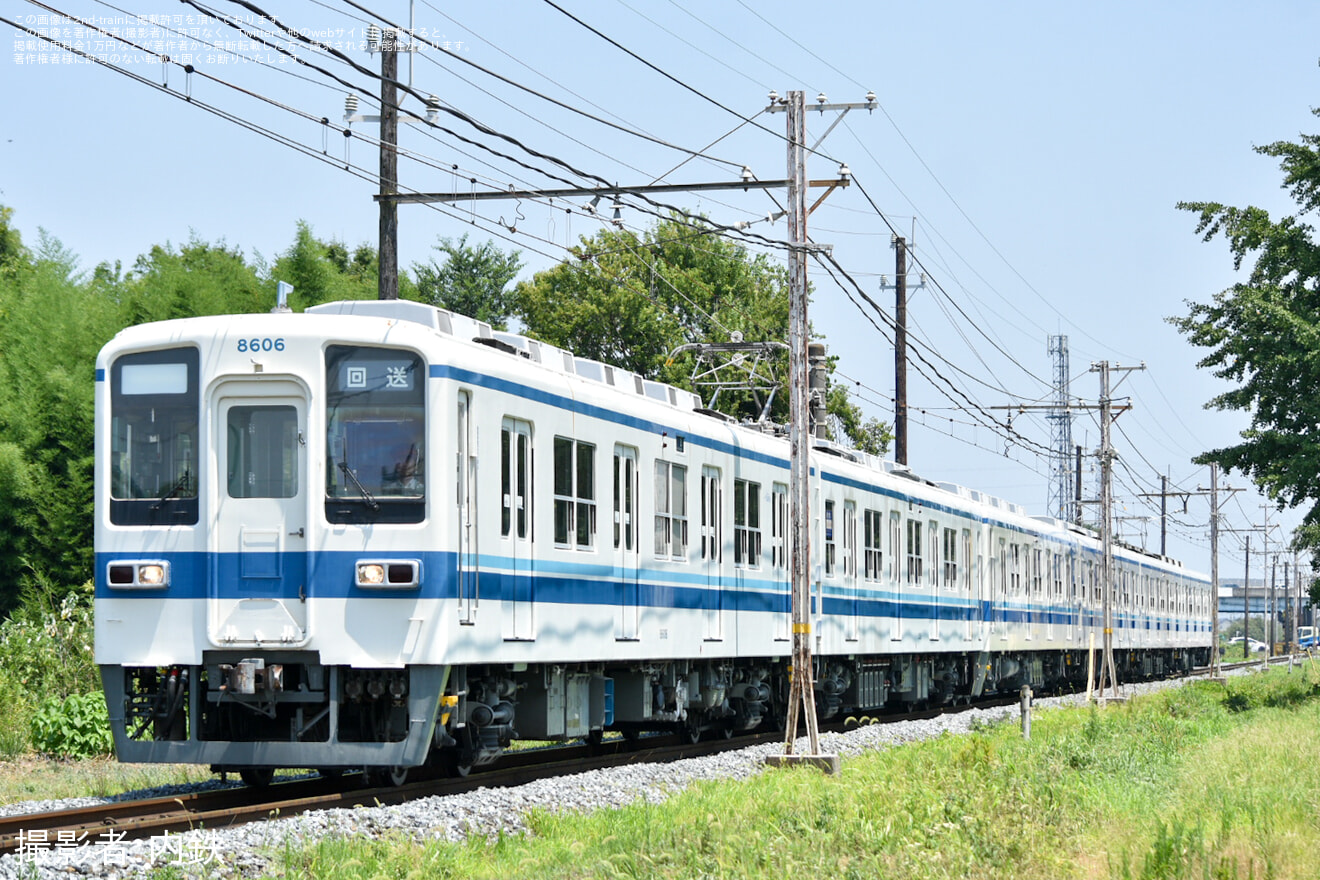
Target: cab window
375, 435
154, 404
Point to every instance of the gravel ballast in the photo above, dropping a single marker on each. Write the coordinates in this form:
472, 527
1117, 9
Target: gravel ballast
242, 851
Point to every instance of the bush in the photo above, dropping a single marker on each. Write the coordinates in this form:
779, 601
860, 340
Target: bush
45, 654
14, 718
77, 727
46, 644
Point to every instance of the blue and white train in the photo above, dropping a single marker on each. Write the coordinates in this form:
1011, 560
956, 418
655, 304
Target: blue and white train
377, 534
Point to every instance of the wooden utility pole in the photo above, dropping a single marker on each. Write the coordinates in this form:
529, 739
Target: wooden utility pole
901, 288
900, 351
389, 165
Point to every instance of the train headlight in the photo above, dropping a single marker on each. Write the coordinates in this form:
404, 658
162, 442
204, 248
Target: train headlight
370, 574
389, 574
153, 574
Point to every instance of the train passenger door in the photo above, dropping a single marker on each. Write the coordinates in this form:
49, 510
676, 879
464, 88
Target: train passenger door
259, 585
516, 530
712, 551
626, 542
469, 577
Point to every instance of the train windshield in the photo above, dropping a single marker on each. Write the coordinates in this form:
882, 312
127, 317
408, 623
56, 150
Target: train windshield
375, 435
153, 438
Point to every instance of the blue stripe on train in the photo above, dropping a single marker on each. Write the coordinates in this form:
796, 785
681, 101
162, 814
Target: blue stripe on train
330, 575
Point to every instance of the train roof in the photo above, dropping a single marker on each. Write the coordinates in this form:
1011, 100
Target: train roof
548, 356
563, 362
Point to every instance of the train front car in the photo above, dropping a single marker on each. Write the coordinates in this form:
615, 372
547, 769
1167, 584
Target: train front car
242, 465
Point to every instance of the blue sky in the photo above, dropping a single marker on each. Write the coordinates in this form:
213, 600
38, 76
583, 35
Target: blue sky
1034, 152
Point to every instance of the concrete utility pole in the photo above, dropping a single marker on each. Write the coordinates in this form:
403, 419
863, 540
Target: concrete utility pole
1213, 492
1246, 579
1061, 497
1107, 456
1273, 604
1297, 601
1264, 558
1164, 495
1246, 602
802, 691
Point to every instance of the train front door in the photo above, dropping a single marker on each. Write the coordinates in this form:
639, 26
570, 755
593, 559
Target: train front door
259, 576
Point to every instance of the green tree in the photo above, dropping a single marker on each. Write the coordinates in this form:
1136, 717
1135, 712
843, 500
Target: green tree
52, 324
1263, 335
471, 281
630, 300
325, 272
197, 279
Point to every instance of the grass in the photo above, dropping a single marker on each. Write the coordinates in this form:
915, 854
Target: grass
31, 778
1207, 781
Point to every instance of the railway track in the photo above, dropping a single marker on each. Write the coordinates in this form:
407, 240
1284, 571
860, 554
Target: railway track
153, 817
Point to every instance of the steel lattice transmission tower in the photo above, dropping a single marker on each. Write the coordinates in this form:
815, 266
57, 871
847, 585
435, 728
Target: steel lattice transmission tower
1063, 492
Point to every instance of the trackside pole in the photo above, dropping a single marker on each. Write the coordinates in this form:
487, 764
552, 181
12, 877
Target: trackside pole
802, 690
1090, 669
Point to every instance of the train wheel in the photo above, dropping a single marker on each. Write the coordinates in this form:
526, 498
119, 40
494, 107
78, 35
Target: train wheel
456, 766
257, 777
391, 776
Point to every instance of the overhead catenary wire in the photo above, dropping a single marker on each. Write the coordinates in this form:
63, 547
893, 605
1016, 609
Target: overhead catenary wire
721, 233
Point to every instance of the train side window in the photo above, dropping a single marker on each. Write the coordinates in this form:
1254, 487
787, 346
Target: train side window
575, 493
375, 435
747, 523
779, 526
950, 559
849, 559
933, 545
967, 561
829, 539
515, 478
625, 497
1015, 569
154, 440
873, 534
671, 526
895, 547
914, 559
